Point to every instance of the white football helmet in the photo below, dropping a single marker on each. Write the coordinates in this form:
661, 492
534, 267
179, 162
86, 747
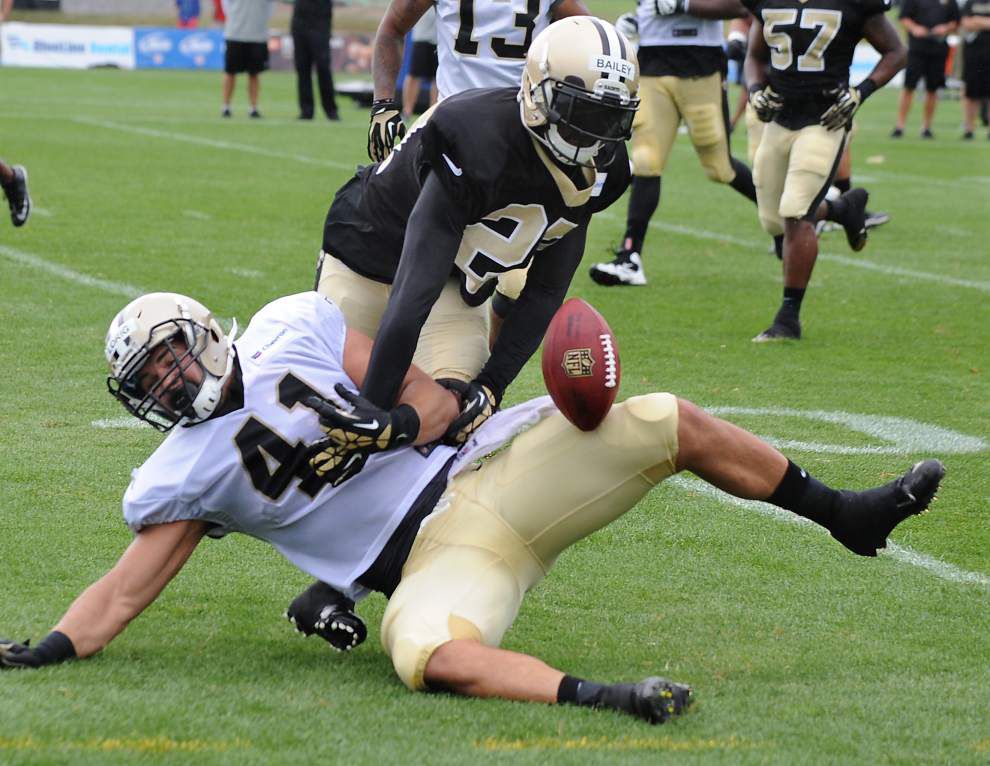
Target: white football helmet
579, 88
192, 337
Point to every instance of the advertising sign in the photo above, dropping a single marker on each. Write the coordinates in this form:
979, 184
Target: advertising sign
66, 46
162, 48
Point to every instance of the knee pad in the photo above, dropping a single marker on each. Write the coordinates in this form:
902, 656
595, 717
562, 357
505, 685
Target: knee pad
772, 223
646, 159
716, 164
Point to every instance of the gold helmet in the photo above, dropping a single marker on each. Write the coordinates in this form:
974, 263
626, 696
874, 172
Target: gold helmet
579, 88
191, 337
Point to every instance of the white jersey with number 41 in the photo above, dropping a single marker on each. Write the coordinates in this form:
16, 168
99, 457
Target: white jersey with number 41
483, 43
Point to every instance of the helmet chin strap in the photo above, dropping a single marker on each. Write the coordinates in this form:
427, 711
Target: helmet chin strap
211, 390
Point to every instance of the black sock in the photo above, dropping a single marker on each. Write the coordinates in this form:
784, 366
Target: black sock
743, 182
842, 184
643, 202
792, 300
577, 691
778, 247
804, 495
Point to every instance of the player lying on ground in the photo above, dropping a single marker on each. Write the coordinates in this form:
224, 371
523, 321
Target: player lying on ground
454, 546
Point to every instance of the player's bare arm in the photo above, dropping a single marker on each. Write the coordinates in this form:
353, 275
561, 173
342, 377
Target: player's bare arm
975, 23
757, 62
566, 8
882, 35
105, 608
5, 9
399, 18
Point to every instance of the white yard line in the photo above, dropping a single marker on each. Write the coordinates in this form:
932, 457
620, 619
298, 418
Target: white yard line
64, 272
214, 143
941, 569
843, 260
42, 211
123, 421
197, 215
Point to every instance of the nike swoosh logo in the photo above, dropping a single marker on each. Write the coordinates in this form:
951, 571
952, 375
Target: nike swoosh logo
371, 424
453, 168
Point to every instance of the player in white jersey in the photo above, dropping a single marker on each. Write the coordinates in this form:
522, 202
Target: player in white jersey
480, 44
454, 544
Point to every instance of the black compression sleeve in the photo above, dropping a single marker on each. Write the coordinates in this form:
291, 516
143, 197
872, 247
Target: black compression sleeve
521, 334
433, 235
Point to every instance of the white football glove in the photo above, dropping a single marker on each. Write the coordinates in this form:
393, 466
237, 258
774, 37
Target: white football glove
628, 26
766, 102
670, 7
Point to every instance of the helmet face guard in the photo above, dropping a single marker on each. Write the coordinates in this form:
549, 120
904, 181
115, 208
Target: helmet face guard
581, 122
164, 409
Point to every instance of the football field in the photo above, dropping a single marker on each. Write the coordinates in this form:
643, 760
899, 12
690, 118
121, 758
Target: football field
799, 651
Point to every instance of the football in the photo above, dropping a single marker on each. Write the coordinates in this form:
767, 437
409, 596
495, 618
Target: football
581, 364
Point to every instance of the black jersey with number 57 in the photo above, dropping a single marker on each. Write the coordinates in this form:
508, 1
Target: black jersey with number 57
811, 43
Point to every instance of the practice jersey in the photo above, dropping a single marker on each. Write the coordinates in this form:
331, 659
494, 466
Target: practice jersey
977, 43
247, 470
519, 202
483, 44
811, 48
678, 45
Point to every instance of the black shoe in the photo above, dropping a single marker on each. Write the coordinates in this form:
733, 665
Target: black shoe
18, 197
853, 217
896, 133
654, 699
781, 329
225, 112
305, 117
876, 218
927, 133
255, 114
334, 116
967, 135
864, 519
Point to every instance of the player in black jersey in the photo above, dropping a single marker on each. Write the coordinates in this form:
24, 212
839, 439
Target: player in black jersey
797, 68
486, 182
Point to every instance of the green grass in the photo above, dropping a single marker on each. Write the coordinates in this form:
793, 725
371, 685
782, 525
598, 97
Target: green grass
799, 652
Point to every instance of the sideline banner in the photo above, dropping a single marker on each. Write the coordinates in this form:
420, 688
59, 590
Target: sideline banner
66, 46
163, 48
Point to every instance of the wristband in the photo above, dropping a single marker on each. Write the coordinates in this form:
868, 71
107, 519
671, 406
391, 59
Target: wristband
55, 647
385, 102
866, 89
405, 421
501, 304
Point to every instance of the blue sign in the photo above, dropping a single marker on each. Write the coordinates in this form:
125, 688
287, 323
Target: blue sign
163, 48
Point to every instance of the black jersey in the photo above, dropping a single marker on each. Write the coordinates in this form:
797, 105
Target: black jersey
811, 48
929, 14
468, 193
977, 43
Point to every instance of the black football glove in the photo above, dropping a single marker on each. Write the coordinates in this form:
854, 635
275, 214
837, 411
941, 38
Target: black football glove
766, 102
847, 101
386, 128
55, 647
323, 611
478, 403
361, 430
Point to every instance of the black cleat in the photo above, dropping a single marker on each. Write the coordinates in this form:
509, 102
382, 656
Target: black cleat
853, 218
780, 330
897, 133
18, 197
876, 218
927, 134
863, 520
654, 699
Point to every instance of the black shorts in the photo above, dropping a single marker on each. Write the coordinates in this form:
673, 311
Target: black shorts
927, 66
976, 74
423, 63
245, 57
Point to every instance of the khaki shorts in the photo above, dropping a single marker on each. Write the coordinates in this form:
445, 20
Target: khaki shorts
700, 101
792, 171
499, 528
454, 340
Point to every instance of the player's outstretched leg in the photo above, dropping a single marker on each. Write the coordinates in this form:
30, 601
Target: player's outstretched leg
470, 668
737, 462
849, 211
15, 188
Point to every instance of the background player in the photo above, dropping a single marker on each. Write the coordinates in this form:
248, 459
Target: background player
13, 181
456, 569
681, 77
479, 45
797, 68
975, 22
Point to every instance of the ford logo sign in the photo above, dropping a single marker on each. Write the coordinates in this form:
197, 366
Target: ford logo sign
157, 42
196, 45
